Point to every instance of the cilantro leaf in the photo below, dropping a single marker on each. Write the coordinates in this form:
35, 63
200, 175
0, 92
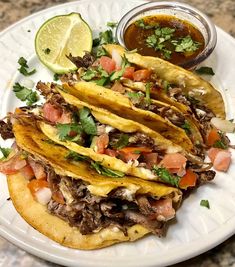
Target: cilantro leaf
87, 121
24, 67
75, 156
142, 24
205, 203
205, 70
220, 144
89, 75
147, 93
101, 52
118, 74
5, 152
106, 171
186, 44
70, 132
56, 77
106, 37
135, 95
186, 127
166, 176
123, 141
25, 94
112, 24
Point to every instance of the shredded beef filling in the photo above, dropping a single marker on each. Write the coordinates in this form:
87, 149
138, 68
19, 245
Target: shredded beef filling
6, 129
92, 213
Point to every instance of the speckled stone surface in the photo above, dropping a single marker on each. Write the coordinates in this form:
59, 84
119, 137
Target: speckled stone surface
222, 12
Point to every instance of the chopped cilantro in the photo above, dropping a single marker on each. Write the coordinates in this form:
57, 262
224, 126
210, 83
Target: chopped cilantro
24, 67
101, 52
205, 203
118, 74
25, 94
220, 144
5, 152
87, 121
147, 93
166, 86
142, 24
135, 95
56, 77
102, 81
186, 127
47, 51
185, 44
205, 70
106, 171
123, 141
112, 24
75, 156
89, 75
70, 132
105, 37
166, 176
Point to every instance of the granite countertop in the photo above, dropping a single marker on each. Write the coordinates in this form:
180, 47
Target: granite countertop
222, 12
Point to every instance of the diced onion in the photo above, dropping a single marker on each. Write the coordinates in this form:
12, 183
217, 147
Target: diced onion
27, 83
108, 129
223, 125
43, 195
117, 58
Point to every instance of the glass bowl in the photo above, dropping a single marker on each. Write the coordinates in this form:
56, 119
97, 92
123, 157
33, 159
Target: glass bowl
181, 11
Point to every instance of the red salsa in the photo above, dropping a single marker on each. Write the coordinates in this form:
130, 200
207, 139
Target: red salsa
165, 36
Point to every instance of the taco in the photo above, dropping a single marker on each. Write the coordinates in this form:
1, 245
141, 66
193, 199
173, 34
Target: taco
150, 83
123, 146
67, 201
170, 122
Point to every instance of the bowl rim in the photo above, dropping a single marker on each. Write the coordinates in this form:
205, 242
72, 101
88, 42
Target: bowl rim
203, 18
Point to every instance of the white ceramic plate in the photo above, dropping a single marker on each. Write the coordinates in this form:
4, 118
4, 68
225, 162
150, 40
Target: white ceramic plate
197, 229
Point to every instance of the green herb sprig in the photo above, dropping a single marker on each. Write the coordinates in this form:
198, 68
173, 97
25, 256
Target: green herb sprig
24, 67
25, 94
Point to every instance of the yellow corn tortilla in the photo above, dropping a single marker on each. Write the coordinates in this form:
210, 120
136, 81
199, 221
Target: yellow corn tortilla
33, 141
124, 125
120, 105
189, 82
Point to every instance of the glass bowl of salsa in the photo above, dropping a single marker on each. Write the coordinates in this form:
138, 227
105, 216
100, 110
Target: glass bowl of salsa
176, 32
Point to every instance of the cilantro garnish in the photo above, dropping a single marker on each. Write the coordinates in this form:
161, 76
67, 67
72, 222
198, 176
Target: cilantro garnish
56, 77
24, 67
205, 203
87, 121
106, 171
25, 94
186, 127
112, 24
147, 93
101, 52
135, 95
166, 176
5, 152
105, 37
142, 24
123, 141
89, 75
220, 144
75, 156
205, 70
70, 132
158, 39
185, 44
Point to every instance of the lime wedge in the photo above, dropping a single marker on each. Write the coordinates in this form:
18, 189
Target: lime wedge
60, 36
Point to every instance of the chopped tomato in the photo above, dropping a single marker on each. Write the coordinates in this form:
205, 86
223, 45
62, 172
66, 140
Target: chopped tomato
212, 137
110, 152
163, 207
189, 179
51, 113
58, 197
66, 117
141, 75
108, 64
212, 153
222, 161
128, 72
102, 142
151, 159
38, 170
128, 156
35, 185
118, 87
27, 172
174, 162
13, 165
